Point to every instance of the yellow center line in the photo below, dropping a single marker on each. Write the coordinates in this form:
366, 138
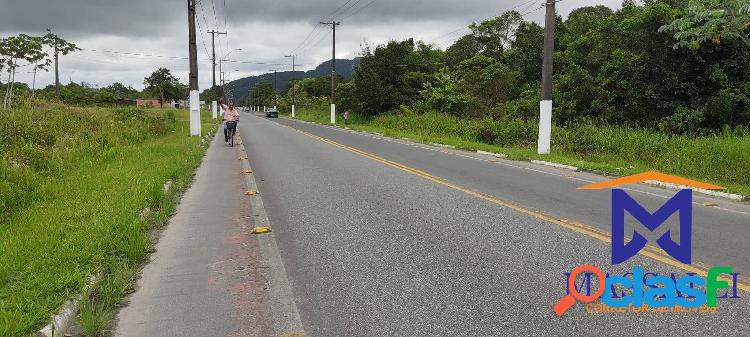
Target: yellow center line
590, 231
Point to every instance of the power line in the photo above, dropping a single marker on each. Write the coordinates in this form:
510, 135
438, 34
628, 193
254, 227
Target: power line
317, 29
439, 38
337, 9
205, 26
361, 9
347, 9
309, 43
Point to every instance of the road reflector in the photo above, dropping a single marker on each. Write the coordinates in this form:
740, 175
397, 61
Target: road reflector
242, 158
251, 193
261, 230
710, 204
246, 171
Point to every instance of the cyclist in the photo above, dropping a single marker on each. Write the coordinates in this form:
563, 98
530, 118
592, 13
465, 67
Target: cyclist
231, 116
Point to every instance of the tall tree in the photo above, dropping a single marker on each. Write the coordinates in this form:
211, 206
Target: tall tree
19, 48
163, 82
496, 35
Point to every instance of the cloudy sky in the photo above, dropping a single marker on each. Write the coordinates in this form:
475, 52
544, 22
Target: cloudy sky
112, 31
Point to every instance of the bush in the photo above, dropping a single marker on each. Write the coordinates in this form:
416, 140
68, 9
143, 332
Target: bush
684, 121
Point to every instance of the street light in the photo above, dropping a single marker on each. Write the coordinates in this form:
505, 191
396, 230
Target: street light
294, 84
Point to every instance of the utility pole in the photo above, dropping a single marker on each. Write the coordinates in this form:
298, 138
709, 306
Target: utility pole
333, 24
545, 106
275, 92
213, 71
294, 85
57, 69
195, 105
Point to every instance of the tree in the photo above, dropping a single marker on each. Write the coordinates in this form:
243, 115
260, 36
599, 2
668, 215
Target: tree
262, 93
711, 20
20, 48
496, 35
525, 53
163, 82
392, 75
463, 49
120, 91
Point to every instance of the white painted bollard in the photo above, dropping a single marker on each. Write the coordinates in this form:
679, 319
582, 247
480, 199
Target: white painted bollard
264, 108
292, 110
545, 127
214, 113
333, 114
195, 113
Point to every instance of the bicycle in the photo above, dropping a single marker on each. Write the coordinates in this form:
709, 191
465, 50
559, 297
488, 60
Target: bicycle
229, 131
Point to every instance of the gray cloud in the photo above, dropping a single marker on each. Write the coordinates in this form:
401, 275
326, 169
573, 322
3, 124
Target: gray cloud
265, 30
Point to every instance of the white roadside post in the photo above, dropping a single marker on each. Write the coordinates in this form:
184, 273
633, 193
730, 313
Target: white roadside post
333, 113
545, 127
195, 113
292, 110
214, 114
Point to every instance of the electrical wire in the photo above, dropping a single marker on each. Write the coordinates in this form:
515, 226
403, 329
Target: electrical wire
441, 37
360, 9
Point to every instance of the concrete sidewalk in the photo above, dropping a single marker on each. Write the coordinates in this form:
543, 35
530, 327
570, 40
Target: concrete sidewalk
205, 278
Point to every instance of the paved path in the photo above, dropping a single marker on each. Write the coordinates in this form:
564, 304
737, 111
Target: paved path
205, 278
384, 238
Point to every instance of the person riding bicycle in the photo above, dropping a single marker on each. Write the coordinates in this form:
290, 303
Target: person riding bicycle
231, 116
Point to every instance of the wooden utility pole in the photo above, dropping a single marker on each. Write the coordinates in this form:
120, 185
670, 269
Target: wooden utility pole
333, 24
192, 46
545, 106
213, 60
194, 97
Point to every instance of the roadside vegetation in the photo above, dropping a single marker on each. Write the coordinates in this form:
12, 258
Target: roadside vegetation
73, 184
723, 158
662, 85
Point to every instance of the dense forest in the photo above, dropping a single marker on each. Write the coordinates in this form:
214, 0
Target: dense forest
660, 65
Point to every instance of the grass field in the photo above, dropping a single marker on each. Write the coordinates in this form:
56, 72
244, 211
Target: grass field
74, 183
722, 159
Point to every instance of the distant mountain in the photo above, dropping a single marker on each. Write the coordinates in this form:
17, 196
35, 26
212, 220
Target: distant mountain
242, 86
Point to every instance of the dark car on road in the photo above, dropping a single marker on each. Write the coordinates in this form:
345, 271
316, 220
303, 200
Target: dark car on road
272, 113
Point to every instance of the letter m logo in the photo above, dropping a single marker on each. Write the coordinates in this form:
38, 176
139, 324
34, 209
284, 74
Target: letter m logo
682, 202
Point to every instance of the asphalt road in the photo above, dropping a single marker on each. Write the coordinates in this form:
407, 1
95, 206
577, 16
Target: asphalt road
387, 238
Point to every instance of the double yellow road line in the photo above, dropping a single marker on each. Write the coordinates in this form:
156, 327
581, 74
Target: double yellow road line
590, 231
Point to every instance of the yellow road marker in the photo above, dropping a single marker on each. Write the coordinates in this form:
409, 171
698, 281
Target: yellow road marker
261, 230
251, 193
710, 204
590, 231
246, 171
242, 158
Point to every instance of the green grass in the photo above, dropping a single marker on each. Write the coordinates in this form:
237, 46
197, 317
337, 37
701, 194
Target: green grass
723, 159
81, 214
93, 317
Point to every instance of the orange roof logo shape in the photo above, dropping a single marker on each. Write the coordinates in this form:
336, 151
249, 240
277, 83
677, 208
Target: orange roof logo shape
651, 176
